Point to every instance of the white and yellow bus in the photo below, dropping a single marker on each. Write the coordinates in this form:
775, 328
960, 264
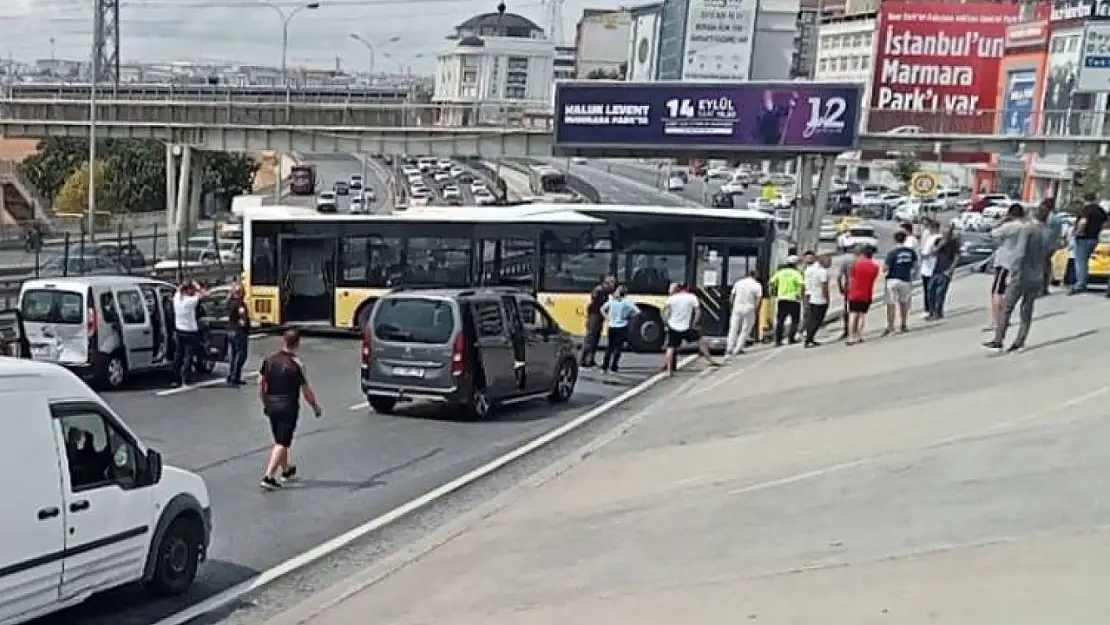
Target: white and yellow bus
310, 269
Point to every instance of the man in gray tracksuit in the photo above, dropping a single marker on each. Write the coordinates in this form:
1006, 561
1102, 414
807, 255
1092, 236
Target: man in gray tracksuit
1026, 281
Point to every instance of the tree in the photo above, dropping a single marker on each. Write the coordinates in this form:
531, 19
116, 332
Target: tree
56, 158
135, 177
73, 197
1092, 179
228, 173
906, 166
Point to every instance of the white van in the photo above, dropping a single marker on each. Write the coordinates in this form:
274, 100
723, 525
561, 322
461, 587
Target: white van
105, 328
87, 506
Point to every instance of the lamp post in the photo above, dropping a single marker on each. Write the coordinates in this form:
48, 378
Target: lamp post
401, 62
370, 47
287, 17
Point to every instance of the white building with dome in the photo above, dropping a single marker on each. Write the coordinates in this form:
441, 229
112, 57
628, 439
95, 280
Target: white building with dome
495, 62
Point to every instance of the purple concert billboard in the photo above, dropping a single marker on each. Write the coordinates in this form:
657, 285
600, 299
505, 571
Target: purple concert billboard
594, 118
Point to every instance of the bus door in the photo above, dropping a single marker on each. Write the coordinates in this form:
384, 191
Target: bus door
307, 266
718, 264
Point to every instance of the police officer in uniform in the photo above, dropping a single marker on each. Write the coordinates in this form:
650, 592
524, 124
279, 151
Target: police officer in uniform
283, 382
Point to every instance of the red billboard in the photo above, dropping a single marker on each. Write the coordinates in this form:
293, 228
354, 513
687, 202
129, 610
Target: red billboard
936, 67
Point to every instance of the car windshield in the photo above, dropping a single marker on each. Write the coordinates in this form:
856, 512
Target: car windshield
862, 232
414, 320
187, 254
50, 306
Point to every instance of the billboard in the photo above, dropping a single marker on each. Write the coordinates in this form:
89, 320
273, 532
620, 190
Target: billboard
1067, 10
937, 66
719, 39
597, 118
1094, 59
1017, 103
643, 42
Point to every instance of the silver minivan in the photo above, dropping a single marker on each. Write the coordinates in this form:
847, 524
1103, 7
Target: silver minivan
472, 350
103, 328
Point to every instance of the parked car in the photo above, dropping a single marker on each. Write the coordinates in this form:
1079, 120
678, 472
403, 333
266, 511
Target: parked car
456, 348
859, 234
976, 247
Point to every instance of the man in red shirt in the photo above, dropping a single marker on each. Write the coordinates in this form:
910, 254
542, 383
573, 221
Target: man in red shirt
861, 288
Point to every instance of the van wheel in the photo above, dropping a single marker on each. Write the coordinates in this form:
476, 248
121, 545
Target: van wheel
382, 405
113, 371
646, 333
480, 406
565, 380
177, 559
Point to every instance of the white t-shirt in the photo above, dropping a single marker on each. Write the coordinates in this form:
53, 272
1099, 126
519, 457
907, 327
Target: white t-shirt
682, 306
911, 242
928, 253
815, 276
746, 294
185, 312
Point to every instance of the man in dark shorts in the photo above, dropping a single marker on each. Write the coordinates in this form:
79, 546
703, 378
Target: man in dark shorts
282, 383
861, 289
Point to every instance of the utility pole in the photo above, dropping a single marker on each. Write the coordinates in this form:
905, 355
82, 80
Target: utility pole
106, 42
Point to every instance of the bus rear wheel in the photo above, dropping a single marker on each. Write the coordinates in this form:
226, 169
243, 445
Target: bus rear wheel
646, 332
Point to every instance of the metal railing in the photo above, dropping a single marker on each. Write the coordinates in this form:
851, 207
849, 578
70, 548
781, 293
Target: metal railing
1039, 123
208, 93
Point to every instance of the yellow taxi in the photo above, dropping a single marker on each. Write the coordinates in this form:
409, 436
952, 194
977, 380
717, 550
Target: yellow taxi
1063, 263
846, 222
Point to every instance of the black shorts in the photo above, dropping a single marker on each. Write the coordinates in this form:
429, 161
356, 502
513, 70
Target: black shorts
859, 306
282, 426
1001, 279
675, 338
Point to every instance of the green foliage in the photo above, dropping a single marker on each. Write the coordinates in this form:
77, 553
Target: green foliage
134, 172
1093, 178
73, 197
906, 166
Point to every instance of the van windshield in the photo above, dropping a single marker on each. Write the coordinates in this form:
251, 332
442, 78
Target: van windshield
414, 320
49, 306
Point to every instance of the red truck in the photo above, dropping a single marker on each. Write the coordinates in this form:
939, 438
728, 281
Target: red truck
302, 180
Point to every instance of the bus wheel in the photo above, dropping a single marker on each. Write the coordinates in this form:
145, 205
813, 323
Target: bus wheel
646, 333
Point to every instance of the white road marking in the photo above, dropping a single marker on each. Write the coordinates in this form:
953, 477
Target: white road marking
206, 383
765, 358
359, 406
958, 438
331, 546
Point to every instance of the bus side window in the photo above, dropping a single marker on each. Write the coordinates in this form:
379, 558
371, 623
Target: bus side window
263, 259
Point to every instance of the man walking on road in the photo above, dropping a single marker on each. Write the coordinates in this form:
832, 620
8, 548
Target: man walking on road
595, 321
817, 297
282, 382
240, 321
746, 295
842, 284
186, 331
681, 314
861, 289
945, 256
786, 286
901, 261
1034, 240
1087, 229
1006, 237
929, 239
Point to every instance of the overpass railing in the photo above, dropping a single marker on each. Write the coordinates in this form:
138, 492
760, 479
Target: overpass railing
169, 92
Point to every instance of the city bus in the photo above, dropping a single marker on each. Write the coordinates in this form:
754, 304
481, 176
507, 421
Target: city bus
550, 185
303, 268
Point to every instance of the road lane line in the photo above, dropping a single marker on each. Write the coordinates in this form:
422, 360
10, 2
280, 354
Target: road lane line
329, 547
763, 359
191, 387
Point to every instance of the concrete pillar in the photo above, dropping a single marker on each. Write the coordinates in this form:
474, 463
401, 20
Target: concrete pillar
827, 162
171, 188
196, 192
181, 213
803, 213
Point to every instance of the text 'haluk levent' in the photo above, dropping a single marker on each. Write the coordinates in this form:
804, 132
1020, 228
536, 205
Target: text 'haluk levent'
607, 114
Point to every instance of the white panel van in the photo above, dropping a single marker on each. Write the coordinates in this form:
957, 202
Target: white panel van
87, 506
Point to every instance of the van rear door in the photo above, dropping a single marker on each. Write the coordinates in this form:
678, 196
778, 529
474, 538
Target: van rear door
31, 547
412, 342
57, 322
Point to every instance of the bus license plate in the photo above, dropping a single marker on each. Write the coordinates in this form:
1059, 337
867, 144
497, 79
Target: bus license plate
408, 372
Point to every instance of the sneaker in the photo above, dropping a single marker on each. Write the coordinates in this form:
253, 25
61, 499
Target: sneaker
992, 345
1016, 347
269, 483
926, 316
289, 474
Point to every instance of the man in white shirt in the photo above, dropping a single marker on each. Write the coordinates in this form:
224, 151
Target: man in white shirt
928, 256
911, 239
816, 292
186, 331
681, 314
746, 295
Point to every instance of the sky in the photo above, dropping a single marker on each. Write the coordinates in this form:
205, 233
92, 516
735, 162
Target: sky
249, 31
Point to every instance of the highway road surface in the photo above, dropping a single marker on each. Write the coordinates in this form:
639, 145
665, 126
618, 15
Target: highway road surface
356, 464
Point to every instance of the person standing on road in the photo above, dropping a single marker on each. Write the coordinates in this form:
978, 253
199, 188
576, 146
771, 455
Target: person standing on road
861, 289
1006, 237
186, 331
282, 383
595, 321
911, 239
901, 261
817, 297
929, 239
1034, 240
240, 321
1091, 220
682, 313
787, 285
746, 296
945, 256
1056, 231
618, 312
843, 279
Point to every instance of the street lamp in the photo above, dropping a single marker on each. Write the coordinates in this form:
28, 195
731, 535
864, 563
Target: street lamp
370, 47
401, 62
287, 17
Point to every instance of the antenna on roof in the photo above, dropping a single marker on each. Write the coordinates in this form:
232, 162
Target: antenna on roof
555, 20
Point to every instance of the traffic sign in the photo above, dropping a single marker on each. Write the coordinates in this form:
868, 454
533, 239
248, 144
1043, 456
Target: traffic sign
924, 184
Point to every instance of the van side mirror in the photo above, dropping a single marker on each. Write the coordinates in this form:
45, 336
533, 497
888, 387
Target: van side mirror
154, 466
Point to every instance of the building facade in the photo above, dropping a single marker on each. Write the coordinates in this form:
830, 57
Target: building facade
495, 62
643, 42
601, 44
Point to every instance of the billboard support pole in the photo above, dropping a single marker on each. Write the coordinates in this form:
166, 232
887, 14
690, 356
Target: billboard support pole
820, 203
802, 204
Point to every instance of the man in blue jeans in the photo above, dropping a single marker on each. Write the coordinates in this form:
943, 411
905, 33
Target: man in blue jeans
946, 251
240, 325
1091, 220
